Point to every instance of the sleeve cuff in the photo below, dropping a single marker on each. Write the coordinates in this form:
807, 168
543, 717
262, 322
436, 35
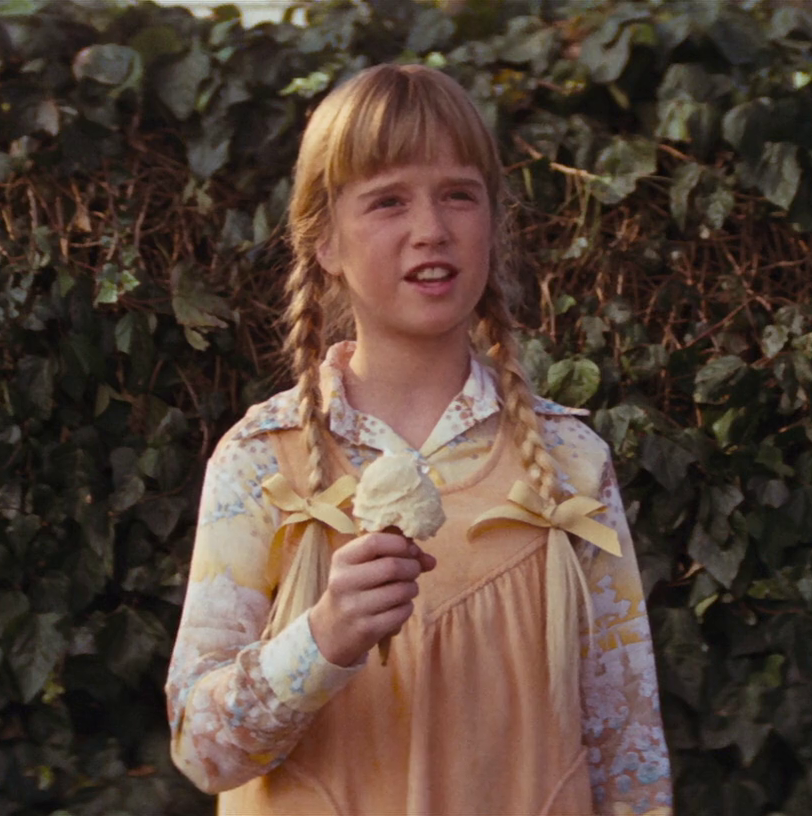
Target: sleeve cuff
297, 672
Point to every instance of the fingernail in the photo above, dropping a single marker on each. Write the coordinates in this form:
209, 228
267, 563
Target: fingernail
414, 550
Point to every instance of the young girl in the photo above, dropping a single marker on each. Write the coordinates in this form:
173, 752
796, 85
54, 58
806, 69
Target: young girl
521, 679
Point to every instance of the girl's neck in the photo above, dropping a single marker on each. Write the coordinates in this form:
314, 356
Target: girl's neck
407, 385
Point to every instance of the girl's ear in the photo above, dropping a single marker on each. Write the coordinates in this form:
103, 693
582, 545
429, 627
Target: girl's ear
327, 253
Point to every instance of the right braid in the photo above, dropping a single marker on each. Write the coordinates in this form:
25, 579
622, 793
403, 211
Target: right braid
306, 577
496, 325
305, 345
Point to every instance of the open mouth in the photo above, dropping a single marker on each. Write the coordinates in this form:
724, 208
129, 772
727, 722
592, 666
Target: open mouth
432, 274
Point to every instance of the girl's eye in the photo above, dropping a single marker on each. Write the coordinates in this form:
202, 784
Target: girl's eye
385, 203
462, 195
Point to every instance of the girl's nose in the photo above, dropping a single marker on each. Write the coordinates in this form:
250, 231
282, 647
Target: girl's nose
428, 226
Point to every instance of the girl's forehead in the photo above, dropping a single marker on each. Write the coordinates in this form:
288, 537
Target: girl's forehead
431, 173
443, 160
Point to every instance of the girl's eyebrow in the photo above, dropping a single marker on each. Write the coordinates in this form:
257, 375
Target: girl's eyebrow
450, 181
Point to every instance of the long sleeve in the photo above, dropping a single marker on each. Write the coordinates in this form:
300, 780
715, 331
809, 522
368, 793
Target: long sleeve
237, 704
628, 757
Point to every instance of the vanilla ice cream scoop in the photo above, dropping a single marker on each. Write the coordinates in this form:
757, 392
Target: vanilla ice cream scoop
395, 495
395, 492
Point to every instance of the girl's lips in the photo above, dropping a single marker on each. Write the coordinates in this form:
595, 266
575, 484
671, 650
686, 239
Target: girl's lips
431, 273
433, 279
434, 288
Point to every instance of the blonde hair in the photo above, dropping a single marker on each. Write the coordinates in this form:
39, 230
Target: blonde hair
386, 116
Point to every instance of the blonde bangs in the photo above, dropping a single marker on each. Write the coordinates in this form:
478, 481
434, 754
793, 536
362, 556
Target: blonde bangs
391, 116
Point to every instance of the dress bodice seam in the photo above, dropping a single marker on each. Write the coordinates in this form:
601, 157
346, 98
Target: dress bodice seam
430, 619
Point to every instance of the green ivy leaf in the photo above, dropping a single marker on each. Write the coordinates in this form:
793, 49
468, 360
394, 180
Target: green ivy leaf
573, 382
528, 40
431, 31
238, 231
195, 339
715, 203
536, 361
618, 311
738, 36
98, 532
616, 423
646, 361
109, 64
793, 319
621, 165
594, 329
21, 531
777, 174
129, 486
178, 83
209, 151
38, 646
124, 332
737, 718
685, 180
666, 461
683, 653
129, 641
723, 427
194, 305
35, 382
772, 457
308, 86
788, 20
714, 380
156, 41
113, 282
773, 339
13, 604
781, 586
563, 303
606, 53
161, 514
722, 562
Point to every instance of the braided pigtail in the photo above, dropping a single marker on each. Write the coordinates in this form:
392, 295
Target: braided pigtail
305, 348
496, 325
567, 593
306, 579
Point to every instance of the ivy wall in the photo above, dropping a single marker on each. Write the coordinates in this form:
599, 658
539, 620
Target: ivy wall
660, 161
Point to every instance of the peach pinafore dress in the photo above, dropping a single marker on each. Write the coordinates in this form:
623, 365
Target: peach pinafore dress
460, 719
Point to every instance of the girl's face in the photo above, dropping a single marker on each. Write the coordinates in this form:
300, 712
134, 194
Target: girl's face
412, 244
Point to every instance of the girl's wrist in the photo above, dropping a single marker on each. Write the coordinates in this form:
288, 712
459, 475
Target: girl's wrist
338, 654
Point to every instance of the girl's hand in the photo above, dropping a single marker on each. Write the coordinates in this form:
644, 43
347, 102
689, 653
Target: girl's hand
372, 582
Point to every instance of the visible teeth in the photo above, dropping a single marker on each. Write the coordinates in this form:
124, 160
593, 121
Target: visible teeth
431, 273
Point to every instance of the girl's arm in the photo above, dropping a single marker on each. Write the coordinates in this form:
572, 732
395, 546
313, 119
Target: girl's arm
238, 705
628, 757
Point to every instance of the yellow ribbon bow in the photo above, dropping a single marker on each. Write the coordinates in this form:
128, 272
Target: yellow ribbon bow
573, 515
564, 577
323, 507
310, 565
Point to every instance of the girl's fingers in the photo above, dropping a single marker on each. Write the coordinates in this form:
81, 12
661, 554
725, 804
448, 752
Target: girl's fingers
371, 574
427, 561
391, 621
384, 598
374, 545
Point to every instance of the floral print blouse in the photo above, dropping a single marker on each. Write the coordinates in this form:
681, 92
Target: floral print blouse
238, 704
